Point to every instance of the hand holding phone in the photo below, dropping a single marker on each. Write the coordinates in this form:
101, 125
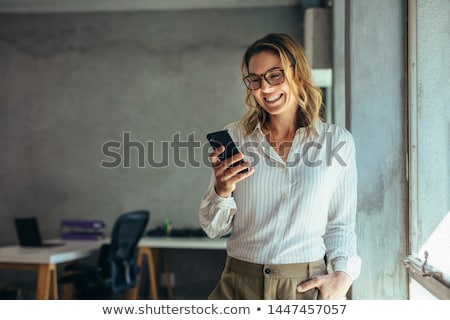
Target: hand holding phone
223, 138
226, 178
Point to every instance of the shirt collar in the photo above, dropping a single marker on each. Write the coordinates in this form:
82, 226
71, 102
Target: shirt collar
258, 132
260, 135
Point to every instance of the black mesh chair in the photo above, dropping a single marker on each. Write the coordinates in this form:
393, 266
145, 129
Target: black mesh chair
116, 269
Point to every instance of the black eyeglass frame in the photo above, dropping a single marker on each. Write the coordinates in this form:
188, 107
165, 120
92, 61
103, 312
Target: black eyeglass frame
248, 84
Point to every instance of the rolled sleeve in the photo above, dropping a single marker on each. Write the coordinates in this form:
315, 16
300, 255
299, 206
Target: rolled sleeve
216, 213
351, 266
340, 236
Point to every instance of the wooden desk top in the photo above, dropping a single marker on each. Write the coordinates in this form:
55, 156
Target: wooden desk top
183, 243
78, 249
71, 250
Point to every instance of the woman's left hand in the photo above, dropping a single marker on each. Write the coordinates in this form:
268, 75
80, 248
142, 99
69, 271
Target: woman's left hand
331, 286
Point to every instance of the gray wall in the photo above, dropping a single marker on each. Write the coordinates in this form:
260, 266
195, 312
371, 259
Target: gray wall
71, 82
377, 119
339, 63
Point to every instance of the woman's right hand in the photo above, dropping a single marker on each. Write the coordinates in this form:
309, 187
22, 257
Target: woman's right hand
227, 176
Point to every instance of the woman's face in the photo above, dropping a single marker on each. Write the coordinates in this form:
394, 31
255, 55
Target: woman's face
274, 99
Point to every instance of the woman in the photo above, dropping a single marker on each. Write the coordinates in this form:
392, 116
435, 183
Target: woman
292, 214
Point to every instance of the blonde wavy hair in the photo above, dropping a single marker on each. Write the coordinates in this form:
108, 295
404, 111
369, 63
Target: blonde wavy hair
298, 76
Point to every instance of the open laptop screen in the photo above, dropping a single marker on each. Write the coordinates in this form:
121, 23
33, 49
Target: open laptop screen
29, 234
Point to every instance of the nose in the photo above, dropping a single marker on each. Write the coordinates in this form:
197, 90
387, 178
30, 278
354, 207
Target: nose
264, 84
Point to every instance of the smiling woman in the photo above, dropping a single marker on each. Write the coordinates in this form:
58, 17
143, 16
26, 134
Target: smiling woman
288, 219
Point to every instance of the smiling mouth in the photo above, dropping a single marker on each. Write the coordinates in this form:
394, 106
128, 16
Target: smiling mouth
273, 98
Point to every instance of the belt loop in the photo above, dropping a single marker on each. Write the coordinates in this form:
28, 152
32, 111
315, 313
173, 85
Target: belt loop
227, 264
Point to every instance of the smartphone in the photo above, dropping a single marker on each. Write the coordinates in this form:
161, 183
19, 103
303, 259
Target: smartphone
223, 138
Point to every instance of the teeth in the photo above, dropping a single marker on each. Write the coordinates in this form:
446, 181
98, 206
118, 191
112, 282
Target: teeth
273, 98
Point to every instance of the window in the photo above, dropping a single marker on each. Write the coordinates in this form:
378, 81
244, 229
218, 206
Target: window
429, 150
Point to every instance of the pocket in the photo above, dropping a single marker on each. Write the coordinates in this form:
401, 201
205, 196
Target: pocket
225, 289
318, 268
312, 294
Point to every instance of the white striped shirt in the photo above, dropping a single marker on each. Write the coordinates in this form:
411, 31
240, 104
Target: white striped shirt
292, 211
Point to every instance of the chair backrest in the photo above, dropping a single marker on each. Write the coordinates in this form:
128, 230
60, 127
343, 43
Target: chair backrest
117, 262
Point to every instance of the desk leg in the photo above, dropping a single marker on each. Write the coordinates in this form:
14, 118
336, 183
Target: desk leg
169, 284
142, 253
47, 284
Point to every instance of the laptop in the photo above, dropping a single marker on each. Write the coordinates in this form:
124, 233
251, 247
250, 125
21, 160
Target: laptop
29, 234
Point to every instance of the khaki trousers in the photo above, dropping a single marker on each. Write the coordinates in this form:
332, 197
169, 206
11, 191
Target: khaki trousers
243, 280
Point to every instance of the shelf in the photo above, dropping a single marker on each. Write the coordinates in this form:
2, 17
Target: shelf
63, 6
322, 77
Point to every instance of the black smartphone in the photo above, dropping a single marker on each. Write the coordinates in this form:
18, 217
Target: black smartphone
223, 138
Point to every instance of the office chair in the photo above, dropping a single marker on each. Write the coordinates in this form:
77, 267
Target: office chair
116, 269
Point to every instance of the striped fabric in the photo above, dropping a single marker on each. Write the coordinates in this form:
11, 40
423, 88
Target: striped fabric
292, 211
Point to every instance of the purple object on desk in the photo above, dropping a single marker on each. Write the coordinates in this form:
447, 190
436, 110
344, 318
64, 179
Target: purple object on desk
82, 229
88, 224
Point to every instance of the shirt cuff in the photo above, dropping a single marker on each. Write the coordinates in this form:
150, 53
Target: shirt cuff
222, 202
350, 266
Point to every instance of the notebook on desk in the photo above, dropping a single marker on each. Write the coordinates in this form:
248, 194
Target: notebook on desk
29, 234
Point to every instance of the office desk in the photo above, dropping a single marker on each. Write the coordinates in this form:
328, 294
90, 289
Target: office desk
45, 260
147, 246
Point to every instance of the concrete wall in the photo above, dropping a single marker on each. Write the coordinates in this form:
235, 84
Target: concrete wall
377, 119
339, 63
71, 82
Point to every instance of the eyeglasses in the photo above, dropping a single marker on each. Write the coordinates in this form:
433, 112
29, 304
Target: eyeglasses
273, 77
